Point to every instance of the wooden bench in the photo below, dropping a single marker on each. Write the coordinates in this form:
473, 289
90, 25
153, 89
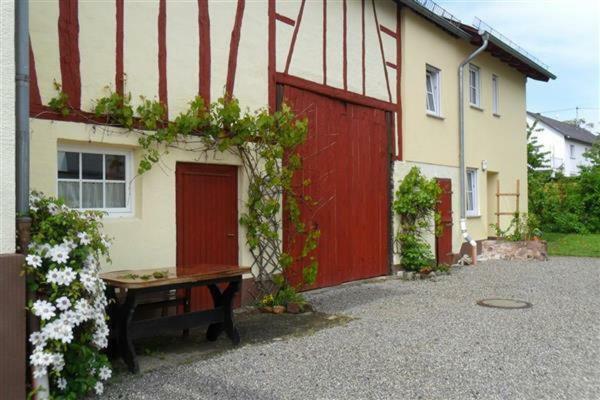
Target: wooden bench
142, 282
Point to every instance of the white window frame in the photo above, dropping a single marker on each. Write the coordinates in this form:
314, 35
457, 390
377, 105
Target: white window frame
477, 87
126, 211
474, 190
572, 151
496, 95
436, 87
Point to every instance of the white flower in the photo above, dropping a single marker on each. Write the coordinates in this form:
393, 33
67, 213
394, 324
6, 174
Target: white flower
88, 281
44, 309
59, 329
40, 359
67, 275
53, 208
45, 250
37, 339
39, 372
63, 303
54, 276
84, 239
59, 253
83, 309
61, 383
105, 373
99, 388
105, 241
70, 244
33, 260
58, 361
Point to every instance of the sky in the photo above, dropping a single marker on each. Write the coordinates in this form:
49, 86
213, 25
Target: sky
564, 34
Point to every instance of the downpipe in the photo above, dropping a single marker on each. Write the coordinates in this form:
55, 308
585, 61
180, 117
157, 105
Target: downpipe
461, 137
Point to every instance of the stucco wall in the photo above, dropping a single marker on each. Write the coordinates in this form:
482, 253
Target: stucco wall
7, 130
498, 140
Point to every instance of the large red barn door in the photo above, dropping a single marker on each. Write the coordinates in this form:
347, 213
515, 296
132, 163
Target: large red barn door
443, 243
207, 223
346, 159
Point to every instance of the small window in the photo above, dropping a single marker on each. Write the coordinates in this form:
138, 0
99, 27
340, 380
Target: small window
471, 195
94, 180
432, 87
572, 151
474, 86
495, 95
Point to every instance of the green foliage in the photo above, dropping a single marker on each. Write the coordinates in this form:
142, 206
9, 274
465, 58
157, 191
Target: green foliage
415, 204
573, 244
284, 296
521, 227
59, 103
116, 108
535, 157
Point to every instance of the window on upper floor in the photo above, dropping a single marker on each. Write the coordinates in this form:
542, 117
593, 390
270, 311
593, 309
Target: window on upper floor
495, 95
472, 205
432, 88
572, 151
95, 179
474, 86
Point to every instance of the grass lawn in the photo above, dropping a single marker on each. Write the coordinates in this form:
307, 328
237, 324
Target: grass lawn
573, 244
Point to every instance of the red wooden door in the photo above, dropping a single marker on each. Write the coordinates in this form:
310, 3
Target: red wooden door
346, 159
207, 222
443, 243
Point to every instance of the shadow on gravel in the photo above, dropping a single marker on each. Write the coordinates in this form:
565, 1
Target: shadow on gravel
255, 328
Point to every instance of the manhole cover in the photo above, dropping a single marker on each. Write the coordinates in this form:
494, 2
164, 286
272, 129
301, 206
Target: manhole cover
504, 303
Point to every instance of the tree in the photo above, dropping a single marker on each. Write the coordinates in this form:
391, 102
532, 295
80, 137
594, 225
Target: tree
536, 158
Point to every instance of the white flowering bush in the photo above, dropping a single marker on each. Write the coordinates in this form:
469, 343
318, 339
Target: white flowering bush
63, 264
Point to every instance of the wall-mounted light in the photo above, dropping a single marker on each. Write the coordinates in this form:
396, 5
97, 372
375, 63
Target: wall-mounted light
484, 165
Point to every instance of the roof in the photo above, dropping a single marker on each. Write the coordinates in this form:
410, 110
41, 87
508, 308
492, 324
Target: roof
499, 47
569, 131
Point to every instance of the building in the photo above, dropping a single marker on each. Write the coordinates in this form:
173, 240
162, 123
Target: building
377, 80
564, 143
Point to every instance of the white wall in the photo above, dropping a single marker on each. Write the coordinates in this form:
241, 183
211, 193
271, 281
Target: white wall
7, 130
558, 146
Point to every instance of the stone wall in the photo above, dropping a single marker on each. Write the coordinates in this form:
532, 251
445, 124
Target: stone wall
506, 250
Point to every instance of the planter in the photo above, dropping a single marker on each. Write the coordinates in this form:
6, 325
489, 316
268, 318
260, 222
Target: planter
507, 250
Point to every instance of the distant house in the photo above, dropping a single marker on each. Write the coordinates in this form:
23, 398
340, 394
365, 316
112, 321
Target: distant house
564, 142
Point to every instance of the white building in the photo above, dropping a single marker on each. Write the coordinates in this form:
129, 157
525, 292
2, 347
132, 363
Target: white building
564, 143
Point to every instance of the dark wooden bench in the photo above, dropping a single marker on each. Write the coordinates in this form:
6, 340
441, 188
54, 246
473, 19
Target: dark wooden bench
220, 317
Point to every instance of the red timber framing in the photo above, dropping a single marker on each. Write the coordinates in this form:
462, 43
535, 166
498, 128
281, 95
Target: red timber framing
119, 69
204, 51
234, 46
162, 53
68, 43
35, 99
387, 79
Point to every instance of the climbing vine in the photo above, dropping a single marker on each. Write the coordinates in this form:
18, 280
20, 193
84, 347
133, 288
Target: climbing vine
415, 204
266, 143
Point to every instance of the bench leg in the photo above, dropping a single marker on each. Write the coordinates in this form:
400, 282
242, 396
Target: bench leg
125, 341
225, 301
186, 309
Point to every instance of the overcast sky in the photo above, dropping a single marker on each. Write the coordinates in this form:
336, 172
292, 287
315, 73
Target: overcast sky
564, 34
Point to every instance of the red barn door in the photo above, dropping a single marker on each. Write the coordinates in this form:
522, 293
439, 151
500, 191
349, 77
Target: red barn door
443, 243
207, 222
346, 159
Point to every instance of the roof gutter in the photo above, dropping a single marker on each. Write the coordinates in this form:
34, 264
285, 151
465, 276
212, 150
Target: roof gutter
461, 138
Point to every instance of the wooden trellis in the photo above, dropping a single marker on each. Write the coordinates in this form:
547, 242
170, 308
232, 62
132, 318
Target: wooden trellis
516, 195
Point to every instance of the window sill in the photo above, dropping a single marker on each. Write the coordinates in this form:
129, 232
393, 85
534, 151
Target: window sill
476, 107
496, 115
474, 216
435, 116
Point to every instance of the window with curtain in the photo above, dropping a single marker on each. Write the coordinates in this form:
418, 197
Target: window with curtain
471, 195
432, 89
94, 179
474, 86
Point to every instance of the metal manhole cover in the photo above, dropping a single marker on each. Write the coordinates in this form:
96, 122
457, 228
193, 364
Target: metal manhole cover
504, 303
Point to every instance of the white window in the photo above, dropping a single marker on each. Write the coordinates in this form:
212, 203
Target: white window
474, 86
432, 87
572, 151
471, 195
95, 179
495, 95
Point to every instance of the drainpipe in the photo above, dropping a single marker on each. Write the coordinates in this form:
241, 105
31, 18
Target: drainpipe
41, 385
461, 137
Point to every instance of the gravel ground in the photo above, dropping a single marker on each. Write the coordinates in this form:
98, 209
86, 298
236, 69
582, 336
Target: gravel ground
419, 340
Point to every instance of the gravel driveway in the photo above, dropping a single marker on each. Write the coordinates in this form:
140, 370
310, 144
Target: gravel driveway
419, 340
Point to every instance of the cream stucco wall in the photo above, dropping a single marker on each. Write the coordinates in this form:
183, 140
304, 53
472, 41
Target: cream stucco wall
148, 238
7, 130
499, 141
